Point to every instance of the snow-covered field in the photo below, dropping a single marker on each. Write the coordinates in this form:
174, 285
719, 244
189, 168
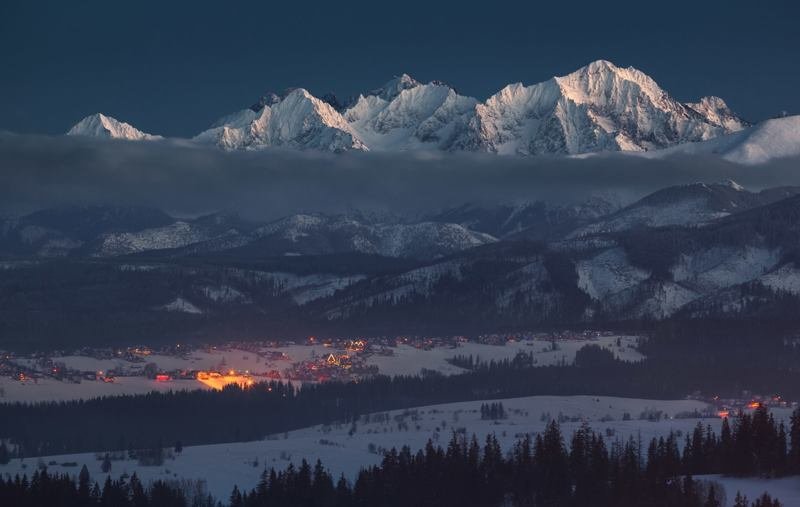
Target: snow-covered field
406, 360
224, 465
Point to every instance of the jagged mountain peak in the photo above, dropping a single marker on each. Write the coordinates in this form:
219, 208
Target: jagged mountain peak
601, 66
102, 126
599, 107
295, 119
716, 111
733, 185
394, 86
271, 98
267, 99
598, 81
418, 116
334, 101
710, 102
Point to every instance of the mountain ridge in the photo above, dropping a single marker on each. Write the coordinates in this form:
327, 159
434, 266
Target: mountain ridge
599, 107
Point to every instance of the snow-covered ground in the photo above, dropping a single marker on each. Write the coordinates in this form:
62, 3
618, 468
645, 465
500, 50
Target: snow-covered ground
405, 360
224, 465
409, 360
786, 279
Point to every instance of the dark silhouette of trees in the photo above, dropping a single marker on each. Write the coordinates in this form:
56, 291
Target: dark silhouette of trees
538, 472
54, 490
493, 411
106, 465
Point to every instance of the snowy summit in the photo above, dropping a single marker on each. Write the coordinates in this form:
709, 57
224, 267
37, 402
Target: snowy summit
100, 125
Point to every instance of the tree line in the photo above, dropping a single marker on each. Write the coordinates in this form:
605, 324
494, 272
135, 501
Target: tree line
62, 490
544, 471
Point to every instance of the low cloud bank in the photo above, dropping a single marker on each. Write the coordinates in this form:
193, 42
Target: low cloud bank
40, 171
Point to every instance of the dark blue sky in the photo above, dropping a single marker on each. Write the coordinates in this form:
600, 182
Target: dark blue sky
173, 67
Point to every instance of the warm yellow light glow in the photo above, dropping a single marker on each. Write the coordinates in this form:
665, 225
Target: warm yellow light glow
218, 381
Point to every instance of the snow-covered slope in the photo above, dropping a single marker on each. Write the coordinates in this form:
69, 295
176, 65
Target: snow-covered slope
692, 204
106, 127
296, 120
772, 139
175, 235
530, 220
320, 234
608, 273
784, 279
182, 305
405, 114
717, 112
722, 267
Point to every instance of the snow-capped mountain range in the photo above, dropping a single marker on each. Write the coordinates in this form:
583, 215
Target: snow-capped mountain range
598, 108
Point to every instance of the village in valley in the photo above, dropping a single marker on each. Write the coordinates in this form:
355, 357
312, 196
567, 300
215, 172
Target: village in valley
91, 372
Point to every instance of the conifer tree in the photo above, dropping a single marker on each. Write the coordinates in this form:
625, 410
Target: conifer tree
106, 465
711, 500
236, 497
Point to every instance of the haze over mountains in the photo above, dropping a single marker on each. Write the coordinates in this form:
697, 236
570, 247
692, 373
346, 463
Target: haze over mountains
598, 108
